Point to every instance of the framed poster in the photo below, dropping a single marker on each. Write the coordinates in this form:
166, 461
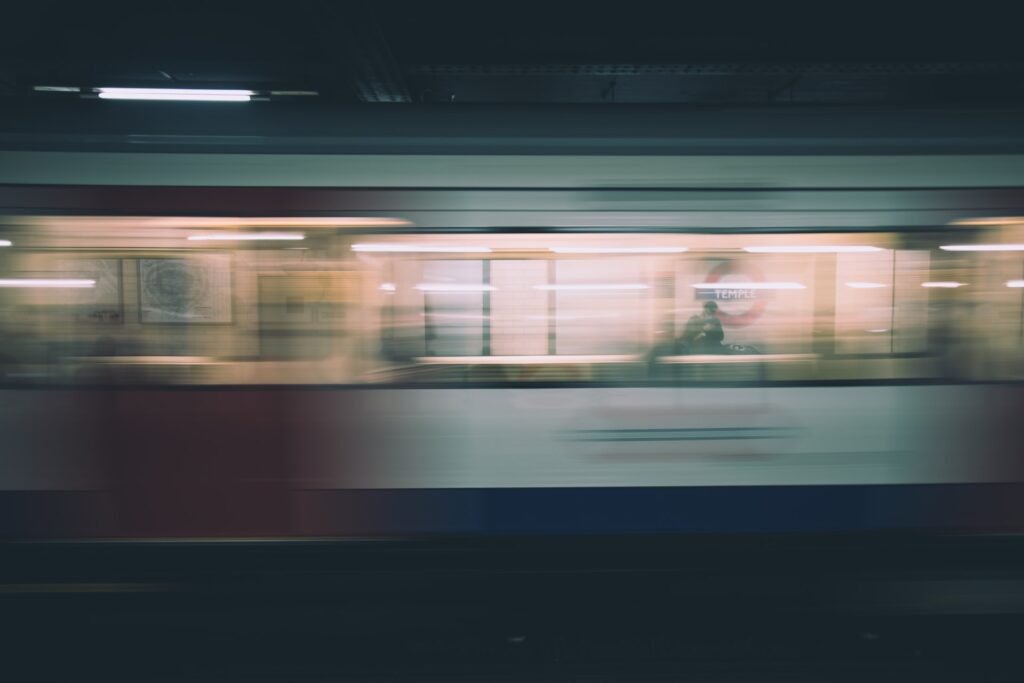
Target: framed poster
101, 303
190, 290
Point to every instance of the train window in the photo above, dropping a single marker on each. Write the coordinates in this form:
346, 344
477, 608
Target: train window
135, 304
300, 315
765, 302
658, 308
452, 295
599, 306
864, 302
979, 306
910, 319
520, 307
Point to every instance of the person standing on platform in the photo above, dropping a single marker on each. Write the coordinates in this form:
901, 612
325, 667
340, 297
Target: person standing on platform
703, 332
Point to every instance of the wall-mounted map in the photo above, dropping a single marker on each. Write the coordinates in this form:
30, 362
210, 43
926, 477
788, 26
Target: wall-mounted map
196, 289
102, 302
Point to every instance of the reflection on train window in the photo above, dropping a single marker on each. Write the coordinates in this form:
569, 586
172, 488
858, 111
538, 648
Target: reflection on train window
453, 294
301, 315
519, 308
134, 306
601, 306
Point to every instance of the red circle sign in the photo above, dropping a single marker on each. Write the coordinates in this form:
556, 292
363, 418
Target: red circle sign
754, 312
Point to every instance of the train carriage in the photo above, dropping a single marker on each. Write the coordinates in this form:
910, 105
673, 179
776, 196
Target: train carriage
286, 347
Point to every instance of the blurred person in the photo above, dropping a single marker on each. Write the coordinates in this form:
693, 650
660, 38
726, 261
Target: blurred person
703, 332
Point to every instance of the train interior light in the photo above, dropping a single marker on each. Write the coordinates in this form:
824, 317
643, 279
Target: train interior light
176, 94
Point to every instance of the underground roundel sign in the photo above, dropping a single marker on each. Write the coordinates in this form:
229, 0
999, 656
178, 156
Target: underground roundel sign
737, 305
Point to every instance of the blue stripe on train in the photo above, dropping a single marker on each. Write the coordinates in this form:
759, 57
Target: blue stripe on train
689, 510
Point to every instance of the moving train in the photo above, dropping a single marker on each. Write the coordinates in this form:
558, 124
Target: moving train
303, 346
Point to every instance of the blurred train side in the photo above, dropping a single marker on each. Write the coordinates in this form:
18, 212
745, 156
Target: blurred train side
345, 459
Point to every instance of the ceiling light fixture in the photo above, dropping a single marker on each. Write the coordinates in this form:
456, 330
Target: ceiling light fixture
175, 94
591, 288
749, 285
289, 222
43, 283
419, 248
983, 247
247, 237
812, 249
618, 250
453, 287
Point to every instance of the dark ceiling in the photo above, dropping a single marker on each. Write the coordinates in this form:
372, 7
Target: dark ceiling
499, 53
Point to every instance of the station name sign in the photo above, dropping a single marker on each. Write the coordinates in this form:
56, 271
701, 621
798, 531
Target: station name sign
729, 294
740, 305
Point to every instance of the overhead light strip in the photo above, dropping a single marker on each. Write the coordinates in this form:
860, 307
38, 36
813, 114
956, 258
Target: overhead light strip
453, 287
618, 250
749, 285
592, 287
813, 249
983, 247
175, 94
43, 283
247, 237
419, 249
